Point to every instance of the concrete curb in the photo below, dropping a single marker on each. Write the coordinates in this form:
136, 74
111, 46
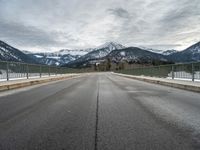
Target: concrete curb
26, 83
188, 87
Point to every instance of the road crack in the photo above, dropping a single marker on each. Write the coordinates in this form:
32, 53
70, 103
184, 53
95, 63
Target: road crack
97, 118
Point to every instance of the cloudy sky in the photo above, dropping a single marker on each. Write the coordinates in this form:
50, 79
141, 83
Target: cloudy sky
48, 25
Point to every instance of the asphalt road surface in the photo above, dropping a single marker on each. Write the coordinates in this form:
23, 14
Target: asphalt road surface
99, 111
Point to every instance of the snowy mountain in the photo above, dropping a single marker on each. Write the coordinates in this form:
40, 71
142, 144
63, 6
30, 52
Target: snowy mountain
135, 54
79, 52
194, 49
169, 52
98, 53
9, 53
152, 50
190, 54
115, 51
130, 54
54, 58
163, 52
59, 57
110, 46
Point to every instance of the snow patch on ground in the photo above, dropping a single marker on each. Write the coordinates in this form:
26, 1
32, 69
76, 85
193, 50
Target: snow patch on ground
38, 56
122, 53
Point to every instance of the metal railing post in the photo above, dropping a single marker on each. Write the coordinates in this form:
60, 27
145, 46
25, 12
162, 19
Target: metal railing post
49, 71
27, 71
59, 71
40, 71
172, 71
7, 71
193, 72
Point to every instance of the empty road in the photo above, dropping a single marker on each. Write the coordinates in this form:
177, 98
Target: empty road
99, 111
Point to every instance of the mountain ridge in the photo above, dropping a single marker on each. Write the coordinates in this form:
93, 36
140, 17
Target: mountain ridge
85, 56
9, 53
98, 53
190, 54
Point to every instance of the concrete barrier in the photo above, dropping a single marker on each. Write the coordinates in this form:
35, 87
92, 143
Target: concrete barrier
24, 83
191, 86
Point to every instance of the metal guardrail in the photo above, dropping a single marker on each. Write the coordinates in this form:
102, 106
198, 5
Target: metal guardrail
189, 71
17, 70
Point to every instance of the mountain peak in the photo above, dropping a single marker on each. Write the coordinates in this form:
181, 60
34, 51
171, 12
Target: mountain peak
9, 53
111, 46
195, 48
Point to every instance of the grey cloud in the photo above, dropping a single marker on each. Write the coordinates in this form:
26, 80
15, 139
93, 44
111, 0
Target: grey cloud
81, 24
184, 14
29, 36
119, 12
182, 11
24, 34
